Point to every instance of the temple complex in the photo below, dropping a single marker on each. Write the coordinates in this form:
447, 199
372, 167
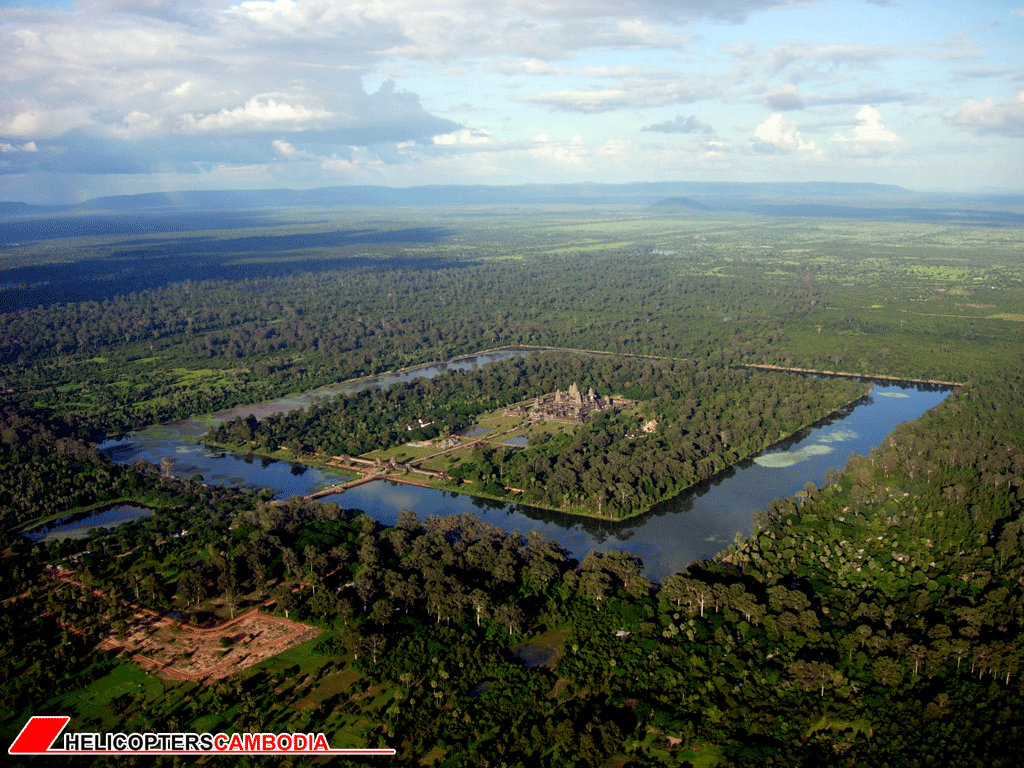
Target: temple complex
570, 407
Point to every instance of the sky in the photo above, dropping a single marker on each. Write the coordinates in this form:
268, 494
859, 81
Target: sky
101, 97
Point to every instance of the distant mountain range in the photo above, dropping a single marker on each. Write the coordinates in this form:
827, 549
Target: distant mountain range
822, 199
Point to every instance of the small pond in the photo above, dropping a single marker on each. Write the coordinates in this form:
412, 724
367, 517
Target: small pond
532, 656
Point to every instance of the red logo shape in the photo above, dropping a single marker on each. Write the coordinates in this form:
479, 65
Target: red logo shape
38, 735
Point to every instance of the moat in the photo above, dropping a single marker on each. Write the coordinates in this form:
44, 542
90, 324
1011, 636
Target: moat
697, 524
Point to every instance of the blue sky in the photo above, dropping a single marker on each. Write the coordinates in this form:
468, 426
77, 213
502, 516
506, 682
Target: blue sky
122, 96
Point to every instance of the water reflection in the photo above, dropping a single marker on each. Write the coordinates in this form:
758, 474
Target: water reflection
77, 526
218, 467
383, 381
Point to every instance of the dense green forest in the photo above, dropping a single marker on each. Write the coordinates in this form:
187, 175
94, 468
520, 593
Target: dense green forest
873, 621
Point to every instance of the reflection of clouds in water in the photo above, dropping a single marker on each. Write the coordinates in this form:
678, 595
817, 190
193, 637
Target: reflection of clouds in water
808, 452
395, 497
376, 496
838, 436
779, 460
892, 394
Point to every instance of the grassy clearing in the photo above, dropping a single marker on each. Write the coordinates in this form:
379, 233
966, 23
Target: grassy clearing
348, 733
664, 747
703, 755
552, 638
443, 463
589, 247
306, 656
402, 452
212, 723
337, 684
94, 702
433, 756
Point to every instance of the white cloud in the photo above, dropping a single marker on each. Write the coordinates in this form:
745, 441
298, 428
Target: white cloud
180, 90
810, 58
572, 153
802, 60
988, 117
608, 99
128, 70
289, 152
362, 166
25, 123
463, 138
135, 125
779, 135
307, 18
545, 30
680, 124
259, 112
444, 31
540, 68
870, 129
28, 146
529, 67
714, 148
582, 101
32, 119
613, 148
864, 94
